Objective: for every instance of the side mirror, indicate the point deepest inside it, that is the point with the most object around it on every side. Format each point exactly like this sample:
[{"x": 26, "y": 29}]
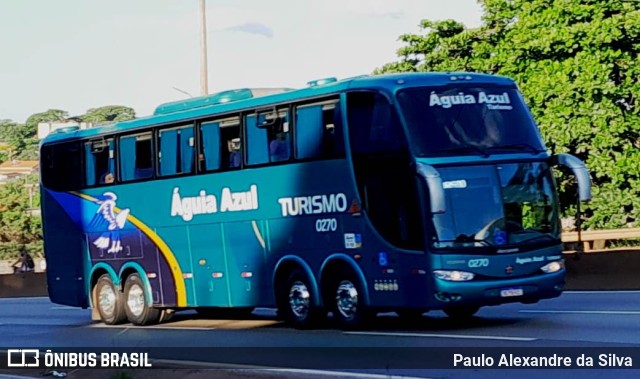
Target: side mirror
[
  {"x": 579, "y": 170},
  {"x": 434, "y": 184}
]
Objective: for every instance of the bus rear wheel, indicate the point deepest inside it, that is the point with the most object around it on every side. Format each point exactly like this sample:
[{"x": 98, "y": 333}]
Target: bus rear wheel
[
  {"x": 296, "y": 302},
  {"x": 349, "y": 310},
  {"x": 108, "y": 300},
  {"x": 461, "y": 312},
  {"x": 136, "y": 303}
]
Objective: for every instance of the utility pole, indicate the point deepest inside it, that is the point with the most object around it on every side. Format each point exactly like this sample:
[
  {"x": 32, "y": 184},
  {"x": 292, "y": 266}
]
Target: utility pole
[{"x": 204, "y": 80}]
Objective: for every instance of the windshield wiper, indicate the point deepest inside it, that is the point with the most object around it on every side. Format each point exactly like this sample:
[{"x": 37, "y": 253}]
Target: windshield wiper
[
  {"x": 517, "y": 146},
  {"x": 464, "y": 149}
]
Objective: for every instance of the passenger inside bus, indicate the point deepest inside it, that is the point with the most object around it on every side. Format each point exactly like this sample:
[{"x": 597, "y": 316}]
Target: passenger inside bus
[
  {"x": 235, "y": 155},
  {"x": 107, "y": 178},
  {"x": 279, "y": 148}
]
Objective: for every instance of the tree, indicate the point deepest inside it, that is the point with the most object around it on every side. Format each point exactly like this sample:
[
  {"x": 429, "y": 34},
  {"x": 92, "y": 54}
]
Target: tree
[
  {"x": 109, "y": 113},
  {"x": 18, "y": 225},
  {"x": 16, "y": 222},
  {"x": 26, "y": 140},
  {"x": 577, "y": 64},
  {"x": 15, "y": 137}
]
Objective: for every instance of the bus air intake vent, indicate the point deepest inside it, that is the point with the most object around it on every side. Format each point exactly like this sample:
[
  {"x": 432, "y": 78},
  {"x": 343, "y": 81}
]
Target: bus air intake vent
[{"x": 321, "y": 82}]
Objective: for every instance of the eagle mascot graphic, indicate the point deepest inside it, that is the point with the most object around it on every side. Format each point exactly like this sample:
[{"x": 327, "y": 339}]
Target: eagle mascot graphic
[{"x": 108, "y": 218}]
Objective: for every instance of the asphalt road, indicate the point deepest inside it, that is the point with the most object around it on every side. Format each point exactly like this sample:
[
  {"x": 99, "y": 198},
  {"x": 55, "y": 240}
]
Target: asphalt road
[{"x": 590, "y": 323}]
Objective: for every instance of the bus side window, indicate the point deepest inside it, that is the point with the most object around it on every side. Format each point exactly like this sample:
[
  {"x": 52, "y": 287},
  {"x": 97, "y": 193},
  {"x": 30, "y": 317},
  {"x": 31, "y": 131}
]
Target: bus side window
[
  {"x": 309, "y": 131},
  {"x": 279, "y": 137},
  {"x": 61, "y": 168},
  {"x": 257, "y": 142},
  {"x": 221, "y": 144},
  {"x": 176, "y": 151},
  {"x": 136, "y": 157},
  {"x": 232, "y": 145},
  {"x": 210, "y": 142},
  {"x": 99, "y": 162},
  {"x": 319, "y": 131},
  {"x": 268, "y": 137},
  {"x": 333, "y": 138}
]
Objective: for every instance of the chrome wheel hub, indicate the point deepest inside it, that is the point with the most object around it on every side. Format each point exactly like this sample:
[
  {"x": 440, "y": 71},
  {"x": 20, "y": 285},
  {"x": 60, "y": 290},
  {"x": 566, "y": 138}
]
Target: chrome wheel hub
[
  {"x": 299, "y": 299},
  {"x": 135, "y": 300},
  {"x": 347, "y": 299},
  {"x": 107, "y": 300}
]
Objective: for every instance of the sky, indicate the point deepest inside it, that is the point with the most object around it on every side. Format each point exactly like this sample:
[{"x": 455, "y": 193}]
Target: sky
[{"x": 76, "y": 55}]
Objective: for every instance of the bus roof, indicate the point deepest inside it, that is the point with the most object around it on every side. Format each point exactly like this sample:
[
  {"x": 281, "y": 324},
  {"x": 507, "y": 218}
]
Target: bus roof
[{"x": 225, "y": 102}]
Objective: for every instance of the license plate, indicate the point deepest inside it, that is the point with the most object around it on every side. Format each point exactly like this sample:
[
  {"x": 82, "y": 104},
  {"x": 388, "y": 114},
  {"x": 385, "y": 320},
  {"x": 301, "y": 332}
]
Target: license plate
[{"x": 511, "y": 292}]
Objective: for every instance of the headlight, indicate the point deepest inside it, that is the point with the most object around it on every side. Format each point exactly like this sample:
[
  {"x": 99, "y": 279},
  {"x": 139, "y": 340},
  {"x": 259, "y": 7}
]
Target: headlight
[
  {"x": 453, "y": 275},
  {"x": 552, "y": 267}
]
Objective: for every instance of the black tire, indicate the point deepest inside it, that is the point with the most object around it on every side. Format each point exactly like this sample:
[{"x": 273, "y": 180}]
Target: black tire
[
  {"x": 295, "y": 302},
  {"x": 166, "y": 315},
  {"x": 461, "y": 312},
  {"x": 108, "y": 299},
  {"x": 136, "y": 304},
  {"x": 348, "y": 307},
  {"x": 218, "y": 312}
]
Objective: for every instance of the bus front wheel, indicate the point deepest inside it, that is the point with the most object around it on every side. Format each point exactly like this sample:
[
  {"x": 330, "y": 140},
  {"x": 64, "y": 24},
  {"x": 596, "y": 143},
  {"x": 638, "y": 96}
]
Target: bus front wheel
[
  {"x": 136, "y": 303},
  {"x": 296, "y": 302},
  {"x": 108, "y": 300}
]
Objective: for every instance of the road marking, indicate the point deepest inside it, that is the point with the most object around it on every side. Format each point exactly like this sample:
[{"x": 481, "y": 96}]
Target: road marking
[
  {"x": 345, "y": 374},
  {"x": 270, "y": 370},
  {"x": 584, "y": 312},
  {"x": 462, "y": 336},
  {"x": 24, "y": 298},
  {"x": 602, "y": 292},
  {"x": 202, "y": 324},
  {"x": 126, "y": 327}
]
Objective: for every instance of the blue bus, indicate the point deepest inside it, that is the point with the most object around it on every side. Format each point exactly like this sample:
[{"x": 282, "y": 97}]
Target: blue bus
[{"x": 404, "y": 192}]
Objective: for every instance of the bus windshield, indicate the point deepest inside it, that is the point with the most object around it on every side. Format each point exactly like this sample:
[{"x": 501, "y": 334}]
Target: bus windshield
[
  {"x": 498, "y": 207},
  {"x": 468, "y": 120}
]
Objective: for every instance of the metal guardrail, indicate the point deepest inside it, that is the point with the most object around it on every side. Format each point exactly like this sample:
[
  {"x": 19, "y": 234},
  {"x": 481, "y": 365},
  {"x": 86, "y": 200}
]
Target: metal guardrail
[{"x": 596, "y": 239}]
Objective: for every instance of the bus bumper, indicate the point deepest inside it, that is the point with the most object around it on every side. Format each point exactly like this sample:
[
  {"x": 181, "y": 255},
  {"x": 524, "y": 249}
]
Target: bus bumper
[{"x": 493, "y": 292}]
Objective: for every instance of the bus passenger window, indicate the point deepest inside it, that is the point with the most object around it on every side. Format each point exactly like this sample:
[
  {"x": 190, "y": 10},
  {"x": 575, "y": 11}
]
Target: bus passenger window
[
  {"x": 221, "y": 145},
  {"x": 99, "y": 162},
  {"x": 61, "y": 166},
  {"x": 257, "y": 144},
  {"x": 332, "y": 140},
  {"x": 319, "y": 131},
  {"x": 176, "y": 151},
  {"x": 231, "y": 143},
  {"x": 235, "y": 153},
  {"x": 268, "y": 137},
  {"x": 210, "y": 145},
  {"x": 278, "y": 134},
  {"x": 136, "y": 157},
  {"x": 279, "y": 148}
]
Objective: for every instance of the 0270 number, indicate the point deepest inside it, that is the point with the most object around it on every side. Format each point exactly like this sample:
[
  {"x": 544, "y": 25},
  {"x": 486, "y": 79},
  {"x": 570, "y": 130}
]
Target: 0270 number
[{"x": 326, "y": 225}]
